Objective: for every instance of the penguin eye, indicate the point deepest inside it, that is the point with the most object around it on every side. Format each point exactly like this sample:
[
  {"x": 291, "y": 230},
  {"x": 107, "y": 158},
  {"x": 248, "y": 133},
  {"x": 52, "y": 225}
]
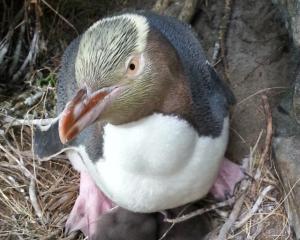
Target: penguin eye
[{"x": 134, "y": 66}]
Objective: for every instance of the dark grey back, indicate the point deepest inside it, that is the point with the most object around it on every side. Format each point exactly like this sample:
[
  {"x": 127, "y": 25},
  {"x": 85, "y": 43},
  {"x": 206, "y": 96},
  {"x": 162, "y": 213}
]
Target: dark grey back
[{"x": 210, "y": 95}]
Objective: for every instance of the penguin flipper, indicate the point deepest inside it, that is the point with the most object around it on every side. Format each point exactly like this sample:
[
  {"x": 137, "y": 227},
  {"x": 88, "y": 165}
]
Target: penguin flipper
[
  {"x": 46, "y": 140},
  {"x": 221, "y": 86}
]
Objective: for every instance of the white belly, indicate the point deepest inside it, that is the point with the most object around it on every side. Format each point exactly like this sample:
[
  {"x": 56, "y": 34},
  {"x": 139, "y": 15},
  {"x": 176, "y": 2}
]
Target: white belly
[{"x": 156, "y": 163}]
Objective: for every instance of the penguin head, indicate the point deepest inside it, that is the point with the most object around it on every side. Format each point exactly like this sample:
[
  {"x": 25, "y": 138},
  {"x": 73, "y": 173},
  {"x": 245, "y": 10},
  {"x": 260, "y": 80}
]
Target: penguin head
[{"x": 124, "y": 69}]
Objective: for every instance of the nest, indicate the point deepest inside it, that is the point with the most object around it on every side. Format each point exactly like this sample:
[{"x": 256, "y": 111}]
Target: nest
[{"x": 36, "y": 197}]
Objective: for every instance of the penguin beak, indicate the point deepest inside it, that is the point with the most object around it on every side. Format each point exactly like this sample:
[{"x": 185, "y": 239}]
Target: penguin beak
[{"x": 84, "y": 109}]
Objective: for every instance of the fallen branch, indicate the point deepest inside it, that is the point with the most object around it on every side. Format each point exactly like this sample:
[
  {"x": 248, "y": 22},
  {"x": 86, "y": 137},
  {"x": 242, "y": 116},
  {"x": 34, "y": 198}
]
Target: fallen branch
[
  {"x": 221, "y": 42},
  {"x": 188, "y": 10},
  {"x": 30, "y": 101},
  {"x": 269, "y": 134},
  {"x": 160, "y": 6},
  {"x": 255, "y": 207},
  {"x": 28, "y": 122},
  {"x": 232, "y": 217},
  {"x": 34, "y": 46},
  {"x": 201, "y": 211},
  {"x": 60, "y": 16},
  {"x": 182, "y": 10},
  {"x": 173, "y": 224},
  {"x": 23, "y": 169},
  {"x": 17, "y": 52},
  {"x": 5, "y": 43},
  {"x": 34, "y": 201}
]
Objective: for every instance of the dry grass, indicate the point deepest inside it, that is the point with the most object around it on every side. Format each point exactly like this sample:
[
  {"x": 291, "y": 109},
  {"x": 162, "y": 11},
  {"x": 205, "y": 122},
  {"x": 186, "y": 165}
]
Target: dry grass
[
  {"x": 262, "y": 214},
  {"x": 35, "y": 197}
]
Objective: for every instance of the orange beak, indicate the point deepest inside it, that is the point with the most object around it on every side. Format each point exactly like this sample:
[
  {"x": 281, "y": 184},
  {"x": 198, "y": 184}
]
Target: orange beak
[{"x": 83, "y": 110}]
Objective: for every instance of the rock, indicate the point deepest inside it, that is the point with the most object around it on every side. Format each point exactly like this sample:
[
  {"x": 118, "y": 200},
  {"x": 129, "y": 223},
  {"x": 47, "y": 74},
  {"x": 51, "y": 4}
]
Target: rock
[
  {"x": 287, "y": 118},
  {"x": 290, "y": 10},
  {"x": 284, "y": 117},
  {"x": 286, "y": 147},
  {"x": 296, "y": 99},
  {"x": 287, "y": 152},
  {"x": 290, "y": 13}
]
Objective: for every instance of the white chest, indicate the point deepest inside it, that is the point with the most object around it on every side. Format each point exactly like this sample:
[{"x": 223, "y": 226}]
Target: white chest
[{"x": 158, "y": 162}]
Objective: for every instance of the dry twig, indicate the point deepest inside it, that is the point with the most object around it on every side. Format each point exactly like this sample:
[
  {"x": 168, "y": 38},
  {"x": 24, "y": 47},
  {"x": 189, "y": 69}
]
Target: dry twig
[
  {"x": 255, "y": 207},
  {"x": 34, "y": 46},
  {"x": 232, "y": 217},
  {"x": 160, "y": 6},
  {"x": 188, "y": 10},
  {"x": 34, "y": 201},
  {"x": 173, "y": 224},
  {"x": 221, "y": 42},
  {"x": 201, "y": 211},
  {"x": 268, "y": 140}
]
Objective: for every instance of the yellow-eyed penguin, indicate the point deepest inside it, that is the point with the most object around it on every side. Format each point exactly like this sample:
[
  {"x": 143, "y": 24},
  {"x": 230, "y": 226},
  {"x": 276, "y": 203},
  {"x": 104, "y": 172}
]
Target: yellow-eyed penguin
[{"x": 143, "y": 116}]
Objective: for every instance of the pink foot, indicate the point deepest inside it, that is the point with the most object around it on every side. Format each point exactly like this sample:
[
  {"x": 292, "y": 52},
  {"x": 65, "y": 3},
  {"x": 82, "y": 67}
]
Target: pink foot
[
  {"x": 89, "y": 206},
  {"x": 229, "y": 175}
]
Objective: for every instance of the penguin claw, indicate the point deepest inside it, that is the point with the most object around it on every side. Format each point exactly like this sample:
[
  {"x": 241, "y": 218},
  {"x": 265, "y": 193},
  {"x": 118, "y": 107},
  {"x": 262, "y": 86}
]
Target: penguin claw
[
  {"x": 230, "y": 174},
  {"x": 89, "y": 206}
]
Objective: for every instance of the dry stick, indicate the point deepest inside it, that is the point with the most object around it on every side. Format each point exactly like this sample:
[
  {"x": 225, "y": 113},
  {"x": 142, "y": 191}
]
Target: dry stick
[
  {"x": 173, "y": 224},
  {"x": 255, "y": 207},
  {"x": 29, "y": 122},
  {"x": 221, "y": 42},
  {"x": 4, "y": 44},
  {"x": 268, "y": 140},
  {"x": 235, "y": 212},
  {"x": 12, "y": 181},
  {"x": 17, "y": 52},
  {"x": 160, "y": 6},
  {"x": 232, "y": 217},
  {"x": 34, "y": 201},
  {"x": 28, "y": 154},
  {"x": 16, "y": 149},
  {"x": 259, "y": 92},
  {"x": 24, "y": 170},
  {"x": 34, "y": 47},
  {"x": 30, "y": 101},
  {"x": 201, "y": 211},
  {"x": 188, "y": 10},
  {"x": 59, "y": 15}
]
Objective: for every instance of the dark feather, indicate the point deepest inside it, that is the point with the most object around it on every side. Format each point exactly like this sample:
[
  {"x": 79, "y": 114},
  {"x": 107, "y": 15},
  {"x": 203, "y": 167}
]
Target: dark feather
[{"x": 210, "y": 96}]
